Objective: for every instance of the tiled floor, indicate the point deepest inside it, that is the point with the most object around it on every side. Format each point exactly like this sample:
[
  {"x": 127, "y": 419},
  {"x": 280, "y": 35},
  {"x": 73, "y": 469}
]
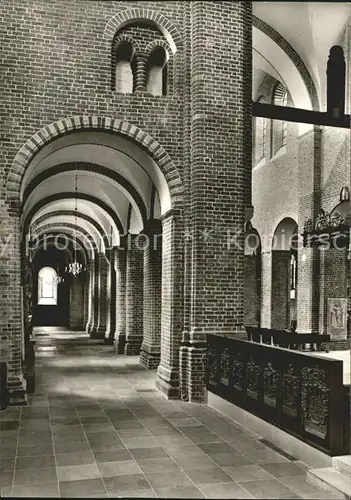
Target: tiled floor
[{"x": 96, "y": 427}]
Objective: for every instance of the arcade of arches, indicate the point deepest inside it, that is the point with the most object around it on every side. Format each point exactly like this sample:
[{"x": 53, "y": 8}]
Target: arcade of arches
[{"x": 148, "y": 184}]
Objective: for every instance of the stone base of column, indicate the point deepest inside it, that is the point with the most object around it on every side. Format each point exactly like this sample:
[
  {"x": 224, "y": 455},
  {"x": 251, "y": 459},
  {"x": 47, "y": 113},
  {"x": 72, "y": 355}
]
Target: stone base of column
[
  {"x": 149, "y": 356},
  {"x": 120, "y": 343},
  {"x": 18, "y": 392},
  {"x": 108, "y": 340},
  {"x": 132, "y": 347},
  {"x": 192, "y": 373},
  {"x": 168, "y": 383},
  {"x": 97, "y": 334}
]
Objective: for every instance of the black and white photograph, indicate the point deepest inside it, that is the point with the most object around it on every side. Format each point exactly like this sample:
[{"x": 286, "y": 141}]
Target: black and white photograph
[{"x": 175, "y": 253}]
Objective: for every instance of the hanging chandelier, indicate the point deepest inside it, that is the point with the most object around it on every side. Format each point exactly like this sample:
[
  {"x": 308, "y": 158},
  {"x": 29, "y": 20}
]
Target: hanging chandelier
[{"x": 74, "y": 268}]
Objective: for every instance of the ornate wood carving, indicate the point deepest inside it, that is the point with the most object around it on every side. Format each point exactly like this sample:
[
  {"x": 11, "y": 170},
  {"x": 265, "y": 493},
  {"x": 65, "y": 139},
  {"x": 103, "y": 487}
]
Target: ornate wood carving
[
  {"x": 315, "y": 399},
  {"x": 290, "y": 392},
  {"x": 238, "y": 374},
  {"x": 271, "y": 379},
  {"x": 253, "y": 378},
  {"x": 225, "y": 366}
]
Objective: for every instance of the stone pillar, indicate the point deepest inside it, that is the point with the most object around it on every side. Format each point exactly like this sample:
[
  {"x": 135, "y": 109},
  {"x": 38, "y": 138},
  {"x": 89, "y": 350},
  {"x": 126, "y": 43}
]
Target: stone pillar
[
  {"x": 151, "y": 346},
  {"x": 111, "y": 298},
  {"x": 120, "y": 264},
  {"x": 266, "y": 289},
  {"x": 95, "y": 298},
  {"x": 102, "y": 280},
  {"x": 10, "y": 300},
  {"x": 140, "y": 72},
  {"x": 280, "y": 289},
  {"x": 172, "y": 303},
  {"x": 221, "y": 168},
  {"x": 91, "y": 269},
  {"x": 134, "y": 296},
  {"x": 308, "y": 259},
  {"x": 76, "y": 304}
]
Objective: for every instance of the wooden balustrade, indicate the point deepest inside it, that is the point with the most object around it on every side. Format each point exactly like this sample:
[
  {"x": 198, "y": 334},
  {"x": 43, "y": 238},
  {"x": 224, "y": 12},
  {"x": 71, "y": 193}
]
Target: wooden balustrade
[
  {"x": 299, "y": 393},
  {"x": 284, "y": 338}
]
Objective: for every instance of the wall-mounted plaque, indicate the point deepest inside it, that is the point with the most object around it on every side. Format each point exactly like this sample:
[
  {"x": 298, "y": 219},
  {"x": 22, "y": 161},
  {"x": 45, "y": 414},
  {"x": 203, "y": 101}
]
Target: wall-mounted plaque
[{"x": 337, "y": 319}]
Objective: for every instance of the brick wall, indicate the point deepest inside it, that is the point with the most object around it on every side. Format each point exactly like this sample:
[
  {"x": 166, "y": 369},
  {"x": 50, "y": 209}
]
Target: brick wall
[
  {"x": 76, "y": 304},
  {"x": 134, "y": 295}
]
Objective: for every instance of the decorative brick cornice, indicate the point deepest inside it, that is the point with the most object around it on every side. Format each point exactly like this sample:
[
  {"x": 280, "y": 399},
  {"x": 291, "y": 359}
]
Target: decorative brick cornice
[
  {"x": 102, "y": 124},
  {"x": 293, "y": 56},
  {"x": 128, "y": 16}
]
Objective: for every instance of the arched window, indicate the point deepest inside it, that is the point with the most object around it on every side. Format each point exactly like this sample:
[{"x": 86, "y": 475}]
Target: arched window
[
  {"x": 260, "y": 136},
  {"x": 157, "y": 72},
  {"x": 124, "y": 78},
  {"x": 279, "y": 127},
  {"x": 47, "y": 287}
]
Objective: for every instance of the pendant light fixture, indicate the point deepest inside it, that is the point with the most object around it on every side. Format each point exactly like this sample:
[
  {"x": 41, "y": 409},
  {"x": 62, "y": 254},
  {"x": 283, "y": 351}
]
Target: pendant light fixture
[{"x": 75, "y": 267}]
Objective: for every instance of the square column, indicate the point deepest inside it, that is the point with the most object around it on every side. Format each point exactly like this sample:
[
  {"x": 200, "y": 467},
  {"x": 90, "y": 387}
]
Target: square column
[
  {"x": 102, "y": 280},
  {"x": 134, "y": 295},
  {"x": 11, "y": 318},
  {"x": 151, "y": 346},
  {"x": 111, "y": 298},
  {"x": 172, "y": 303},
  {"x": 220, "y": 175},
  {"x": 91, "y": 279},
  {"x": 121, "y": 273}
]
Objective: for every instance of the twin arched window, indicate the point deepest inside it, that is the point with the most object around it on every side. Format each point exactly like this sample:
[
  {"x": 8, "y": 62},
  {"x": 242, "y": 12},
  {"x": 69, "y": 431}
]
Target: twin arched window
[{"x": 133, "y": 70}]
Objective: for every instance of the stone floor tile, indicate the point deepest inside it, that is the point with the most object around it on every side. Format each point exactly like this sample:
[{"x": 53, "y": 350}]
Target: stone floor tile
[
  {"x": 143, "y": 453},
  {"x": 225, "y": 490},
  {"x": 230, "y": 459},
  {"x": 126, "y": 483},
  {"x": 32, "y": 476},
  {"x": 179, "y": 492},
  {"x": 157, "y": 464},
  {"x": 208, "y": 476},
  {"x": 6, "y": 464},
  {"x": 168, "y": 441},
  {"x": 69, "y": 447},
  {"x": 83, "y": 457},
  {"x": 82, "y": 488},
  {"x": 184, "y": 452},
  {"x": 196, "y": 462},
  {"x": 6, "y": 479},
  {"x": 265, "y": 457},
  {"x": 282, "y": 469},
  {"x": 247, "y": 472},
  {"x": 35, "y": 462},
  {"x": 146, "y": 493},
  {"x": 134, "y": 433},
  {"x": 302, "y": 487},
  {"x": 268, "y": 488},
  {"x": 77, "y": 472},
  {"x": 168, "y": 479},
  {"x": 141, "y": 442},
  {"x": 46, "y": 490},
  {"x": 118, "y": 468},
  {"x": 35, "y": 450},
  {"x": 112, "y": 455}
]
